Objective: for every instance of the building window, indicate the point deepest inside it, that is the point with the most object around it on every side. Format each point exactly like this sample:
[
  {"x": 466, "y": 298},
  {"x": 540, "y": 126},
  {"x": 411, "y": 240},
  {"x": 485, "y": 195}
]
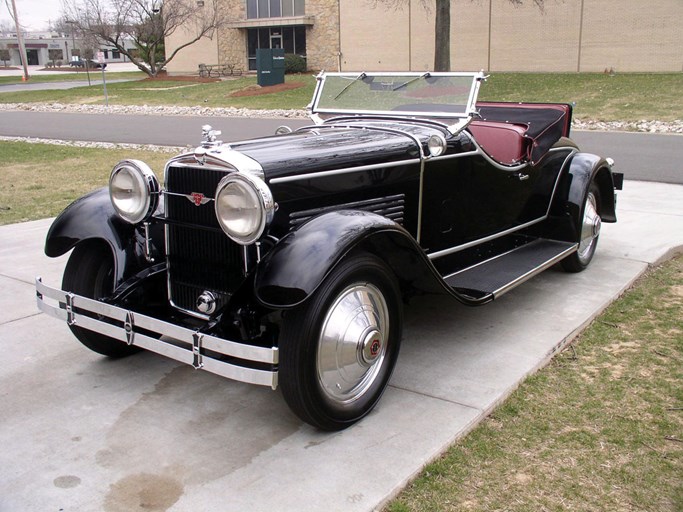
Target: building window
[
  {"x": 274, "y": 8},
  {"x": 292, "y": 39},
  {"x": 115, "y": 54}
]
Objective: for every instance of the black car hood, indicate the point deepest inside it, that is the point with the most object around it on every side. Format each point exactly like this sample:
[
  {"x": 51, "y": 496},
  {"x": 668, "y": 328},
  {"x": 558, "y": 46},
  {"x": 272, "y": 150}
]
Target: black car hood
[{"x": 329, "y": 147}]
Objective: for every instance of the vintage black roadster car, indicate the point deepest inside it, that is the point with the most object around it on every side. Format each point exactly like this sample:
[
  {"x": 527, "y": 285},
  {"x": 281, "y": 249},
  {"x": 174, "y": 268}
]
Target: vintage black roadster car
[{"x": 284, "y": 261}]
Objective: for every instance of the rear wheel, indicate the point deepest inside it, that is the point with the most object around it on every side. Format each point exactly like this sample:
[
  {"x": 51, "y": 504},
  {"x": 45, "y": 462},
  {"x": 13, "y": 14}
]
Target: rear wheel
[
  {"x": 338, "y": 349},
  {"x": 90, "y": 273},
  {"x": 590, "y": 232}
]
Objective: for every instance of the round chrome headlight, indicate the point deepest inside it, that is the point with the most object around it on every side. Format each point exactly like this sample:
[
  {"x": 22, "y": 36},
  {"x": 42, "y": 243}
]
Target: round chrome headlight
[
  {"x": 133, "y": 190},
  {"x": 244, "y": 207},
  {"x": 436, "y": 145}
]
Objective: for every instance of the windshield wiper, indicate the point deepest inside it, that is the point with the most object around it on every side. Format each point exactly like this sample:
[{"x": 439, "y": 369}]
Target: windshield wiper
[
  {"x": 404, "y": 84},
  {"x": 359, "y": 77}
]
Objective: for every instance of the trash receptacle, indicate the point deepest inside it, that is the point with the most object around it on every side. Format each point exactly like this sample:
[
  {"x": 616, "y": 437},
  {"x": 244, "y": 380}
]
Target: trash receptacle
[{"x": 270, "y": 66}]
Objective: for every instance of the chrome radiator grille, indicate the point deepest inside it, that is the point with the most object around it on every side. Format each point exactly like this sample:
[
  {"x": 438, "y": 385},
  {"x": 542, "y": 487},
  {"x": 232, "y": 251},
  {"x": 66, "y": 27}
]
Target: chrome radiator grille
[{"x": 200, "y": 256}]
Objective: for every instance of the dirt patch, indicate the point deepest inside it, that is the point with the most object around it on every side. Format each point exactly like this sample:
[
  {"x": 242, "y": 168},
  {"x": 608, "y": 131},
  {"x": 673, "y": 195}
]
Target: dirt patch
[
  {"x": 257, "y": 90},
  {"x": 181, "y": 78}
]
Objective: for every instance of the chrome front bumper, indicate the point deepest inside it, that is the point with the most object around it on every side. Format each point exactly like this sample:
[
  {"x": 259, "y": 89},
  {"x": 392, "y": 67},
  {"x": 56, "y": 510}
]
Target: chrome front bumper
[{"x": 179, "y": 343}]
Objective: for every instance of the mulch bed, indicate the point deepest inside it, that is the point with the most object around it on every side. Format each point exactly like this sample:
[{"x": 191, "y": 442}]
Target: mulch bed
[
  {"x": 162, "y": 75},
  {"x": 257, "y": 90}
]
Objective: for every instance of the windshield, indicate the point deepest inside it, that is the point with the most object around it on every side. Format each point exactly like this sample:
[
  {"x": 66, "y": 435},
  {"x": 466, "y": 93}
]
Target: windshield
[{"x": 438, "y": 94}]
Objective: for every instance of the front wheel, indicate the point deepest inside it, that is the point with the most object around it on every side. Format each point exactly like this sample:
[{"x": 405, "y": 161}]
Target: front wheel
[
  {"x": 338, "y": 349},
  {"x": 90, "y": 273},
  {"x": 590, "y": 232}
]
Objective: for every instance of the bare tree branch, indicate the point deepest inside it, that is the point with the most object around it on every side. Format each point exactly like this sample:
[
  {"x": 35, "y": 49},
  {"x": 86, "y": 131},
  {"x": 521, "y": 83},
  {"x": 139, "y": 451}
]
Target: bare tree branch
[{"x": 147, "y": 23}]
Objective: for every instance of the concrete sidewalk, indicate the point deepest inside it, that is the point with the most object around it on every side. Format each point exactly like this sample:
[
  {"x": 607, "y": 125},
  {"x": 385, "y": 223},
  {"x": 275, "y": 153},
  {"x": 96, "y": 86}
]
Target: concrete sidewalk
[{"x": 82, "y": 433}]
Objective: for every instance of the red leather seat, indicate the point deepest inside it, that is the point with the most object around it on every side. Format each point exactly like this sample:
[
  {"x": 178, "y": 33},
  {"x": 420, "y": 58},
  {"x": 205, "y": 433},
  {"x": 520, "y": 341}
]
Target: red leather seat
[{"x": 504, "y": 142}]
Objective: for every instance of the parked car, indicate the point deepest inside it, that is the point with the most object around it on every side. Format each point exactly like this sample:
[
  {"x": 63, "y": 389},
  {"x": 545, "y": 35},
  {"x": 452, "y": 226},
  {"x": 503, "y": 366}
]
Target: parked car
[
  {"x": 92, "y": 64},
  {"x": 284, "y": 261}
]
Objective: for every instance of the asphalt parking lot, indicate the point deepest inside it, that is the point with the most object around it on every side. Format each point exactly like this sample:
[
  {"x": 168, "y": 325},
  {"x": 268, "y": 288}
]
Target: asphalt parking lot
[{"x": 82, "y": 433}]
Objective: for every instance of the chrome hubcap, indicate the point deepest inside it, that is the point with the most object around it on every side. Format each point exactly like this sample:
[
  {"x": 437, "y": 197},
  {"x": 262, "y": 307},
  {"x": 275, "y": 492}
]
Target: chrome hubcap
[
  {"x": 590, "y": 229},
  {"x": 352, "y": 344},
  {"x": 371, "y": 348}
]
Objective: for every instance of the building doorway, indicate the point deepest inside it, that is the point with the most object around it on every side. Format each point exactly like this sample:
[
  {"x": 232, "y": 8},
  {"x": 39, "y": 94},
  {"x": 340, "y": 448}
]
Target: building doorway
[
  {"x": 292, "y": 39},
  {"x": 32, "y": 57}
]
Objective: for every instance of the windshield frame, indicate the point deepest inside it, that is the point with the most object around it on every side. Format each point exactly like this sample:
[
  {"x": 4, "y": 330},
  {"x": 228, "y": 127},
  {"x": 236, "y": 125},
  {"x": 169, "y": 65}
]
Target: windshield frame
[{"x": 470, "y": 107}]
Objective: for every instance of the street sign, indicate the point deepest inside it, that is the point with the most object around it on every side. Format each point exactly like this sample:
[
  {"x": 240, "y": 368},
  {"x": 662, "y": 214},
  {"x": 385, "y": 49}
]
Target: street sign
[{"x": 100, "y": 57}]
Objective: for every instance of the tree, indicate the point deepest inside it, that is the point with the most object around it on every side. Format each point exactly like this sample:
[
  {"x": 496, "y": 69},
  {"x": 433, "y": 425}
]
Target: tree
[
  {"x": 442, "y": 26},
  {"x": 55, "y": 56},
  {"x": 7, "y": 27},
  {"x": 146, "y": 23}
]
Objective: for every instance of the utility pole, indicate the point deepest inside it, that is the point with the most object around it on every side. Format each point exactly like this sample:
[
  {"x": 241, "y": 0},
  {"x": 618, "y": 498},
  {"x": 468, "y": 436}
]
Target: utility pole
[{"x": 20, "y": 40}]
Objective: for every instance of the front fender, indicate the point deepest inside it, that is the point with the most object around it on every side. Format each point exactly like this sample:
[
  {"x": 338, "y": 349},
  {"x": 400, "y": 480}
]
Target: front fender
[
  {"x": 88, "y": 218},
  {"x": 298, "y": 264},
  {"x": 295, "y": 267}
]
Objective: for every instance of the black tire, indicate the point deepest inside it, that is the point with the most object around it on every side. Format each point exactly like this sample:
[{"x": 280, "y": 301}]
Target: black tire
[
  {"x": 90, "y": 273},
  {"x": 589, "y": 225},
  {"x": 361, "y": 298}
]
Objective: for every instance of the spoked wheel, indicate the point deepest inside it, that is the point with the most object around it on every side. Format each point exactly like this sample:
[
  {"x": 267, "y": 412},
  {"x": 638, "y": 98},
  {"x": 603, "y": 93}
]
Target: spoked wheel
[
  {"x": 338, "y": 349},
  {"x": 90, "y": 273},
  {"x": 590, "y": 232}
]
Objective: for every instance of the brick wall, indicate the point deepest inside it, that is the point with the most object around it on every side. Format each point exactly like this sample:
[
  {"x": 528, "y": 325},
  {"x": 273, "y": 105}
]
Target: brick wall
[{"x": 494, "y": 35}]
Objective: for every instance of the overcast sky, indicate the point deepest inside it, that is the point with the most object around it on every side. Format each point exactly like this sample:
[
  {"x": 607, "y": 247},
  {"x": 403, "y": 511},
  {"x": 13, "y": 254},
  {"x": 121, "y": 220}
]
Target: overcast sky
[{"x": 34, "y": 15}]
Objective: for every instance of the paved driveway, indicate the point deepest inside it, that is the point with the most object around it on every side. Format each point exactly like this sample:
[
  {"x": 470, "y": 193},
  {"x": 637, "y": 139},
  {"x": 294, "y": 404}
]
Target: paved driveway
[{"x": 82, "y": 433}]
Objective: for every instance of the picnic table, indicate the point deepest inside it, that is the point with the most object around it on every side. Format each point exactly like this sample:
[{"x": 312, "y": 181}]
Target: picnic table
[{"x": 219, "y": 70}]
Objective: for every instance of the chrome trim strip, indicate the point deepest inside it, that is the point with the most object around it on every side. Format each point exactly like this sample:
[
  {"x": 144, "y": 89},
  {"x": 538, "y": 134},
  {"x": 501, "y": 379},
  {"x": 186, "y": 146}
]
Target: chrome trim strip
[
  {"x": 497, "y": 165},
  {"x": 221, "y": 158},
  {"x": 458, "y": 248},
  {"x": 166, "y": 347},
  {"x": 346, "y": 170},
  {"x": 454, "y": 155},
  {"x": 420, "y": 198}
]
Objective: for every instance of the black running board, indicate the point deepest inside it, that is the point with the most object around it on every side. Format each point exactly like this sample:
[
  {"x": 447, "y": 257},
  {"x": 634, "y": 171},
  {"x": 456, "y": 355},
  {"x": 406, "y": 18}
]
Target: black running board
[{"x": 492, "y": 278}]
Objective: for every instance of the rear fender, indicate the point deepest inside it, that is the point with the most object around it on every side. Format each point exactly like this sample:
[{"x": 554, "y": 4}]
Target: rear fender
[
  {"x": 295, "y": 267},
  {"x": 92, "y": 218},
  {"x": 582, "y": 170}
]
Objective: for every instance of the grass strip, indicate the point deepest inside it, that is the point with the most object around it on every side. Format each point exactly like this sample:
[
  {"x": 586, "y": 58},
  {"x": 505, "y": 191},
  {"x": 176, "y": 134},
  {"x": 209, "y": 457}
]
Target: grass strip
[
  {"x": 600, "y": 428},
  {"x": 596, "y": 96},
  {"x": 40, "y": 180},
  {"x": 73, "y": 75}
]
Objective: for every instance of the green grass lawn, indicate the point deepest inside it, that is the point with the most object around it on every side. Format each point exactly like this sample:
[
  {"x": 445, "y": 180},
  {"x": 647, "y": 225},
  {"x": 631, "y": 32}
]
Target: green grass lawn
[
  {"x": 599, "y": 429},
  {"x": 597, "y": 96},
  {"x": 74, "y": 74},
  {"x": 40, "y": 180}
]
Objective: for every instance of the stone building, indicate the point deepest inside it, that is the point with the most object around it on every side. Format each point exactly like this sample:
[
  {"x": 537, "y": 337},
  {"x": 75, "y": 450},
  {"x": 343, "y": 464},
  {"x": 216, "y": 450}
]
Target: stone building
[{"x": 494, "y": 35}]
